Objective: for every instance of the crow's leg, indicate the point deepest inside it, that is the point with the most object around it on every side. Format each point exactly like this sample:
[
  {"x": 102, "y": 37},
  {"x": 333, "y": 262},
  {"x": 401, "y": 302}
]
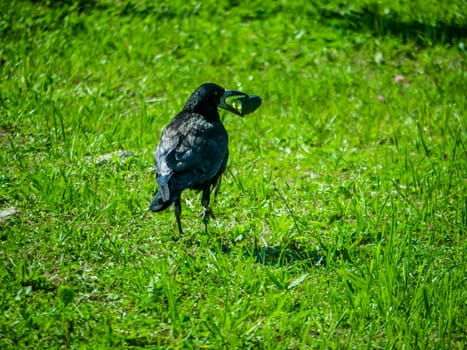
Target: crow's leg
[
  {"x": 205, "y": 203},
  {"x": 178, "y": 212}
]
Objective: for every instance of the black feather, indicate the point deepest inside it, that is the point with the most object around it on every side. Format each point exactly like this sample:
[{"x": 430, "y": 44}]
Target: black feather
[{"x": 193, "y": 151}]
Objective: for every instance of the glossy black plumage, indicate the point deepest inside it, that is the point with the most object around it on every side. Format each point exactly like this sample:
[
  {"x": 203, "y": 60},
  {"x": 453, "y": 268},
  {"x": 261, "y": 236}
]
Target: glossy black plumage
[{"x": 193, "y": 150}]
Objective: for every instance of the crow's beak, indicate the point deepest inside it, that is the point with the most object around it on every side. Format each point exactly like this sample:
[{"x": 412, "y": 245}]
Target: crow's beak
[{"x": 229, "y": 93}]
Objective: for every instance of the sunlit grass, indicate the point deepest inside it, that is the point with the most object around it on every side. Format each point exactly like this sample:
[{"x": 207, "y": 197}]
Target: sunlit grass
[{"x": 341, "y": 219}]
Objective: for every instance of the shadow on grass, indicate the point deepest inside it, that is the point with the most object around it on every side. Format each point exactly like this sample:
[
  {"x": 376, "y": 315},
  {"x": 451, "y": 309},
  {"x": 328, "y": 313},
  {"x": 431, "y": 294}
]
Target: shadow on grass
[
  {"x": 285, "y": 255},
  {"x": 369, "y": 18},
  {"x": 278, "y": 255}
]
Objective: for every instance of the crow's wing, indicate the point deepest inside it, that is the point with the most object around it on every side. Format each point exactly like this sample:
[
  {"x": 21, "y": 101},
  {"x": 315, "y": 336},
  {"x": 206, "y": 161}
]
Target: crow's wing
[{"x": 192, "y": 151}]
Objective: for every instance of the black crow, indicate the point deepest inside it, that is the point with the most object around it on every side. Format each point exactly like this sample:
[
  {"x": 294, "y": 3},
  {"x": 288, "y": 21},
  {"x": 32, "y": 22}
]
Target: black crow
[{"x": 193, "y": 150}]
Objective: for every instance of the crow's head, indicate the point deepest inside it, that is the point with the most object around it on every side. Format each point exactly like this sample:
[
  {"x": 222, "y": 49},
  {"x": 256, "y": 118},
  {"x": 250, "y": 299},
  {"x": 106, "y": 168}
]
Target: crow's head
[{"x": 208, "y": 97}]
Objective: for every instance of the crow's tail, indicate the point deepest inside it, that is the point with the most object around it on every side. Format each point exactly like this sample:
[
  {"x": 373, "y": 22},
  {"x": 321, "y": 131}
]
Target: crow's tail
[{"x": 158, "y": 204}]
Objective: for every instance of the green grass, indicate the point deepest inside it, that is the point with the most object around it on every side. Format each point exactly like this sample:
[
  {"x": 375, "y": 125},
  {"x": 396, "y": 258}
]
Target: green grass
[{"x": 341, "y": 221}]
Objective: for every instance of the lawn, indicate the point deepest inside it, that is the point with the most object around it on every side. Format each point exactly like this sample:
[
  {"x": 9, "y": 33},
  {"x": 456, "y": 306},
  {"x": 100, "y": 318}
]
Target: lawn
[{"x": 342, "y": 217}]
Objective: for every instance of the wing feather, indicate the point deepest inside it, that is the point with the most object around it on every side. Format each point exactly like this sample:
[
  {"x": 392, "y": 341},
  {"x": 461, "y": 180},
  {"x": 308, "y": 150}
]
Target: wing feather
[{"x": 192, "y": 151}]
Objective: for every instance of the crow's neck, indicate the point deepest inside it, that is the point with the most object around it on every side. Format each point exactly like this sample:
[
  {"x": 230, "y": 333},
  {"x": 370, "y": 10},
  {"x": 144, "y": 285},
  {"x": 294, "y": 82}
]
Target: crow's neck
[{"x": 206, "y": 110}]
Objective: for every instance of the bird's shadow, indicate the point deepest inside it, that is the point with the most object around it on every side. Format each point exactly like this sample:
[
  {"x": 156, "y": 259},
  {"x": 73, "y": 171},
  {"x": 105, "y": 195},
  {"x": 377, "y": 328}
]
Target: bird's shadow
[
  {"x": 283, "y": 255},
  {"x": 278, "y": 255}
]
